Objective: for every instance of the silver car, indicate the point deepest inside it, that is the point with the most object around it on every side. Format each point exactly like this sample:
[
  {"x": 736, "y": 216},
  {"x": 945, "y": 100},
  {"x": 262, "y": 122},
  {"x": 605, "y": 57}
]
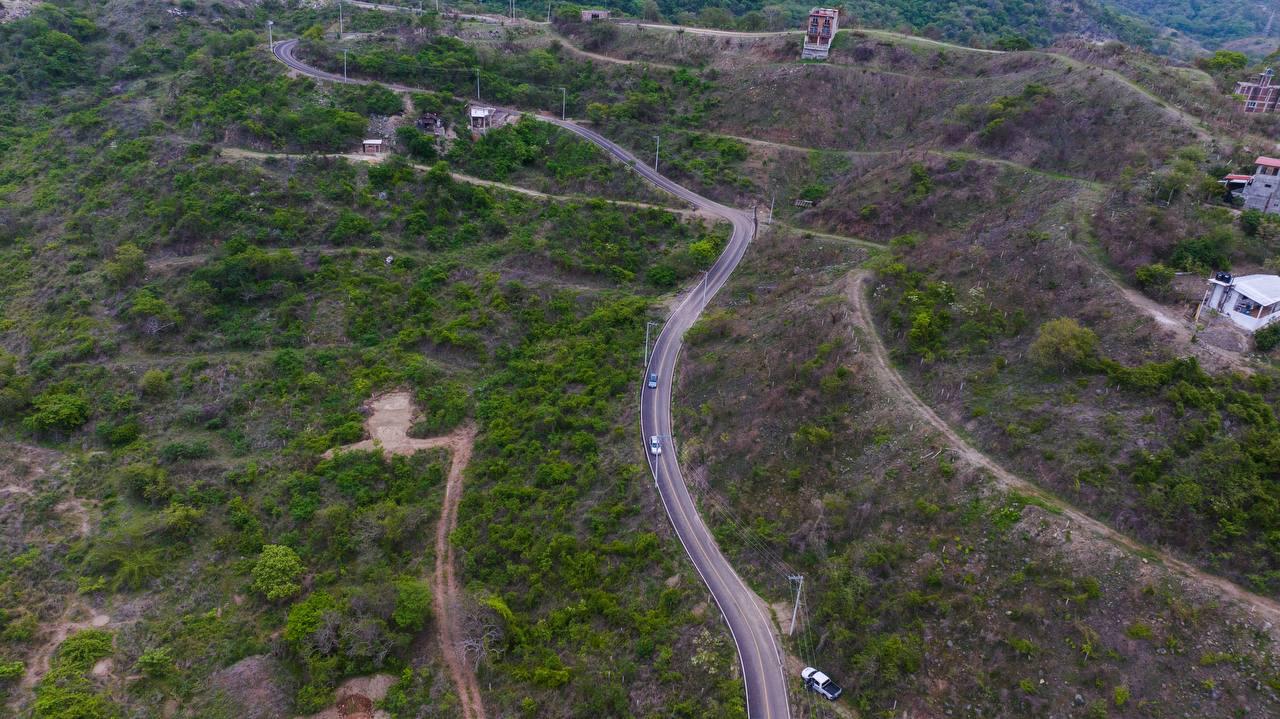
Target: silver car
[
  {"x": 821, "y": 683},
  {"x": 655, "y": 445}
]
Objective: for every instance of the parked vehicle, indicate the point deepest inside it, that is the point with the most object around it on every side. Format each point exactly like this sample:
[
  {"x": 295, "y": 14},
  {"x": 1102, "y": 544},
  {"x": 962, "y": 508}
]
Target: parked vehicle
[
  {"x": 653, "y": 381},
  {"x": 821, "y": 683},
  {"x": 655, "y": 445}
]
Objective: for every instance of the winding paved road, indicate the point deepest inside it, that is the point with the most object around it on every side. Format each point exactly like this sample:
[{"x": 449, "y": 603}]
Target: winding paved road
[{"x": 759, "y": 652}]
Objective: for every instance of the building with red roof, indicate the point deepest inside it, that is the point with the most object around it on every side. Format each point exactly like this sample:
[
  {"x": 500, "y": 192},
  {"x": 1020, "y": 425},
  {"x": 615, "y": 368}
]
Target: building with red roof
[{"x": 1261, "y": 190}]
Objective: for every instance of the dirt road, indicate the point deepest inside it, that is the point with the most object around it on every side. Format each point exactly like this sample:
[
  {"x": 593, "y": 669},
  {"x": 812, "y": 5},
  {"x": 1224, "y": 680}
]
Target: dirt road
[
  {"x": 1262, "y": 607},
  {"x": 388, "y": 427}
]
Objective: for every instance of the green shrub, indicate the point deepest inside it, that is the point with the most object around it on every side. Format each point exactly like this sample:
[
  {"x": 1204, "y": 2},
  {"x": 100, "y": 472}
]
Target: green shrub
[
  {"x": 154, "y": 383},
  {"x": 306, "y": 616},
  {"x": 419, "y": 144},
  {"x": 15, "y": 387},
  {"x": 57, "y": 411},
  {"x": 128, "y": 263},
  {"x": 1202, "y": 254},
  {"x": 1121, "y": 695},
  {"x": 118, "y": 433},
  {"x": 1267, "y": 338},
  {"x": 1251, "y": 221},
  {"x": 1155, "y": 279},
  {"x": 155, "y": 663},
  {"x": 1063, "y": 343},
  {"x": 276, "y": 573},
  {"x": 81, "y": 650},
  {"x": 146, "y": 482},
  {"x": 185, "y": 451},
  {"x": 413, "y": 604},
  {"x": 12, "y": 670}
]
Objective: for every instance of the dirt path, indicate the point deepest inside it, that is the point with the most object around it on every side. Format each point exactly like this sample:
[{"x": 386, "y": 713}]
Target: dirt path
[
  {"x": 243, "y": 154},
  {"x": 388, "y": 426},
  {"x": 65, "y": 626},
  {"x": 445, "y": 589},
  {"x": 1259, "y": 606}
]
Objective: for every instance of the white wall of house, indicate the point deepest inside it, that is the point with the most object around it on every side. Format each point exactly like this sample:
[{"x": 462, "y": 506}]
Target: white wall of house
[{"x": 1225, "y": 300}]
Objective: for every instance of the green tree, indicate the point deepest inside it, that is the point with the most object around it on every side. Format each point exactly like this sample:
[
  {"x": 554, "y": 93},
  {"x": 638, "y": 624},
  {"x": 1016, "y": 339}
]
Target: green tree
[
  {"x": 1224, "y": 62},
  {"x": 276, "y": 573},
  {"x": 1064, "y": 343}
]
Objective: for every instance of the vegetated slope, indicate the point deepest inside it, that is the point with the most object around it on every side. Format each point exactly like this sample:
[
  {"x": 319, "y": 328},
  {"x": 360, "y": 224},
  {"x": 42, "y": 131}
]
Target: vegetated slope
[
  {"x": 1211, "y": 24},
  {"x": 1202, "y": 94},
  {"x": 927, "y": 589},
  {"x": 195, "y": 333},
  {"x": 1141, "y": 439},
  {"x": 876, "y": 94},
  {"x": 977, "y": 22}
]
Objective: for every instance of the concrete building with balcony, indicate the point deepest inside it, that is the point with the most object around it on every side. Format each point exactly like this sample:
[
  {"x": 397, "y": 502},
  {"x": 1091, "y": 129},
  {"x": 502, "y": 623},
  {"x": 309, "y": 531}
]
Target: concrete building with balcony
[{"x": 822, "y": 28}]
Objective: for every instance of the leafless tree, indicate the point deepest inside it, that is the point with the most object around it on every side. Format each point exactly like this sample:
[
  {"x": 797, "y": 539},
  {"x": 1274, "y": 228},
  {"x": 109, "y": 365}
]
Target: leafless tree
[{"x": 482, "y": 635}]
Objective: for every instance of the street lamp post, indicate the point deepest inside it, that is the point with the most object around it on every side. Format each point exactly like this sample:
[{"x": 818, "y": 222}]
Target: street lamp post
[
  {"x": 340, "y": 22},
  {"x": 344, "y": 63},
  {"x": 564, "y": 99},
  {"x": 657, "y": 145},
  {"x": 477, "y": 84},
  {"x": 271, "y": 43}
]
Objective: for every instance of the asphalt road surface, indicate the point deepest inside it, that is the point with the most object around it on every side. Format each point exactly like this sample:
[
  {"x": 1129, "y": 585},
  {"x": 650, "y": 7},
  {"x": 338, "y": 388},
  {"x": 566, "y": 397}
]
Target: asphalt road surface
[{"x": 758, "y": 650}]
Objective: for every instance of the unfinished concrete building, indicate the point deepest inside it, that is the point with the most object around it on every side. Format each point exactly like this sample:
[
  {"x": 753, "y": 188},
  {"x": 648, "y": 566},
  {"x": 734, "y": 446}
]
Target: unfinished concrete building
[
  {"x": 823, "y": 24},
  {"x": 1261, "y": 95},
  {"x": 1261, "y": 191}
]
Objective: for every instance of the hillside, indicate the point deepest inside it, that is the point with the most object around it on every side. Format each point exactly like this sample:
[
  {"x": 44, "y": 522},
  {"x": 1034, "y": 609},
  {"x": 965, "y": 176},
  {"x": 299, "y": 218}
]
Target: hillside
[{"x": 287, "y": 426}]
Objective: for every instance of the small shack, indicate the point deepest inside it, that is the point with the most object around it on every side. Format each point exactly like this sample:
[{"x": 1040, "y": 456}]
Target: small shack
[
  {"x": 482, "y": 118},
  {"x": 1251, "y": 301},
  {"x": 373, "y": 146},
  {"x": 594, "y": 15}
]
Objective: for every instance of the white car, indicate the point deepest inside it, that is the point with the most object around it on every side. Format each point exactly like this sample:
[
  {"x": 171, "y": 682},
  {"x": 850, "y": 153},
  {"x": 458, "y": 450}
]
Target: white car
[
  {"x": 655, "y": 445},
  {"x": 821, "y": 683}
]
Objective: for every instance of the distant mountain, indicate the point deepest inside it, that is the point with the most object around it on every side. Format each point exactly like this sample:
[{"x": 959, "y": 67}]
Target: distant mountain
[{"x": 1210, "y": 24}]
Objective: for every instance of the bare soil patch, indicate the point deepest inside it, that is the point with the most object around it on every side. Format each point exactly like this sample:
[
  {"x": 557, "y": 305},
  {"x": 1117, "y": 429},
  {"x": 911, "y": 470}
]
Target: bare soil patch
[{"x": 356, "y": 697}]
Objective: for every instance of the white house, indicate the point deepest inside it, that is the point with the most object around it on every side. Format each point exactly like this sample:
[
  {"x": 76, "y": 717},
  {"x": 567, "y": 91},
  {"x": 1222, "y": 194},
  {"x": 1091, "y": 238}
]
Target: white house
[{"x": 1252, "y": 301}]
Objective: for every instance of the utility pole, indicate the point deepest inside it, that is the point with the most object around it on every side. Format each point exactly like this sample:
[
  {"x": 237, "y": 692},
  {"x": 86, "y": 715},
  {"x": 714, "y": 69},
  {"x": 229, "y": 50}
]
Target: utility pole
[
  {"x": 647, "y": 325},
  {"x": 657, "y": 145},
  {"x": 564, "y": 99},
  {"x": 340, "y": 23},
  {"x": 772, "y": 202},
  {"x": 548, "y": 12},
  {"x": 477, "y": 84},
  {"x": 271, "y": 43},
  {"x": 344, "y": 63},
  {"x": 798, "y": 580}
]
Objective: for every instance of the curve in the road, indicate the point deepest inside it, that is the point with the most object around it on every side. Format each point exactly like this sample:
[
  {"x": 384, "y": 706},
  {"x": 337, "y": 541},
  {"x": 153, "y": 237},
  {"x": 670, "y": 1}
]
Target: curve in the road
[{"x": 759, "y": 652}]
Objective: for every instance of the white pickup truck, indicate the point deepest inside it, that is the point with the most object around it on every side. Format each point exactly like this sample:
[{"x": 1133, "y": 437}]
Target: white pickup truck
[{"x": 821, "y": 683}]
